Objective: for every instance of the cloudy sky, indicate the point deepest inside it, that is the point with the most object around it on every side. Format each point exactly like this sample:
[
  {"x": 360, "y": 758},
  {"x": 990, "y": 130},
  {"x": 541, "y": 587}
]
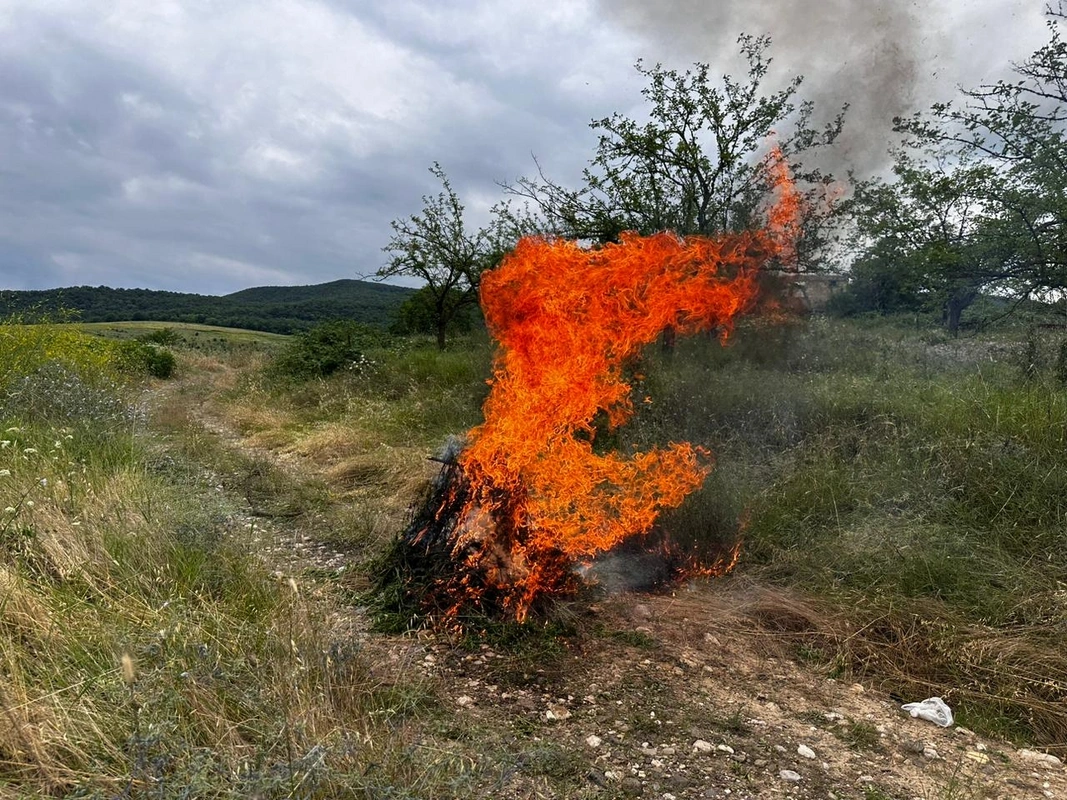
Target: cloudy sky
[{"x": 213, "y": 145}]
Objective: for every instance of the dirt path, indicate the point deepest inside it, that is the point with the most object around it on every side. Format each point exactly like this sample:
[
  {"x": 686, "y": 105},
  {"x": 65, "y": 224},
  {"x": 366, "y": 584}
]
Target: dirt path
[{"x": 692, "y": 695}]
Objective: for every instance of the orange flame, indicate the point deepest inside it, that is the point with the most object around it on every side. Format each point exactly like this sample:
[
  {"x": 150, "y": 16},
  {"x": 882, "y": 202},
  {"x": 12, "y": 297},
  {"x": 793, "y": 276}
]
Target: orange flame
[
  {"x": 784, "y": 216},
  {"x": 568, "y": 320}
]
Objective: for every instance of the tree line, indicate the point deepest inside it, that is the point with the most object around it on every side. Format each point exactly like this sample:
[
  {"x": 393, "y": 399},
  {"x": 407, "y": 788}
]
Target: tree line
[
  {"x": 975, "y": 202},
  {"x": 274, "y": 309}
]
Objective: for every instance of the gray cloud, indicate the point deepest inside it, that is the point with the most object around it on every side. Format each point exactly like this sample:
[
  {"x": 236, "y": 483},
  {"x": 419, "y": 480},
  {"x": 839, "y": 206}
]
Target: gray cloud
[{"x": 211, "y": 145}]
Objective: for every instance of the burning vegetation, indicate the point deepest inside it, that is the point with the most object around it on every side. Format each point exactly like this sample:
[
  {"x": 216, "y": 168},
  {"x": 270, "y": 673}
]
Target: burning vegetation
[{"x": 531, "y": 493}]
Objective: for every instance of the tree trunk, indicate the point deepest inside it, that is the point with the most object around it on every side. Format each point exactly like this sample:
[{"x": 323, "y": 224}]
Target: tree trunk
[
  {"x": 954, "y": 307},
  {"x": 441, "y": 326}
]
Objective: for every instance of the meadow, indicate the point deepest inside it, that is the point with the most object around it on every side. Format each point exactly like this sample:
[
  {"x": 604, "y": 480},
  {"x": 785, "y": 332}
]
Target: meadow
[{"x": 908, "y": 490}]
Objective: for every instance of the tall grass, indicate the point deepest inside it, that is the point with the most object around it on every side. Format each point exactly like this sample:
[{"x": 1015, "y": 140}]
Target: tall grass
[
  {"x": 919, "y": 482},
  {"x": 144, "y": 652},
  {"x": 911, "y": 486}
]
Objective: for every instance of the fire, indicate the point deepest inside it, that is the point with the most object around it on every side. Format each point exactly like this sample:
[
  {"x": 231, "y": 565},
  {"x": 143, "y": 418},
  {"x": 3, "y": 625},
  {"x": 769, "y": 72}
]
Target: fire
[
  {"x": 784, "y": 216},
  {"x": 533, "y": 495}
]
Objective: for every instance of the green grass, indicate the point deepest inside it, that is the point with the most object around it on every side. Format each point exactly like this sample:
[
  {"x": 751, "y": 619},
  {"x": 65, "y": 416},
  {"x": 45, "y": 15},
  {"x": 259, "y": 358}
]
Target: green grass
[
  {"x": 919, "y": 482},
  {"x": 144, "y": 651},
  {"x": 186, "y": 330}
]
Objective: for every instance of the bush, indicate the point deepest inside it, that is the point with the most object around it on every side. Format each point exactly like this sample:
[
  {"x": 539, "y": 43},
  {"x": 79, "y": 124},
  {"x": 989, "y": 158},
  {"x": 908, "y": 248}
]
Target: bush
[
  {"x": 326, "y": 349},
  {"x": 162, "y": 336},
  {"x": 142, "y": 358}
]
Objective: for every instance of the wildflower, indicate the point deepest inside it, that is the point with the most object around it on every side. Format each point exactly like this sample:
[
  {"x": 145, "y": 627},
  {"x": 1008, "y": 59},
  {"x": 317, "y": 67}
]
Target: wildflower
[
  {"x": 5, "y": 443},
  {"x": 4, "y": 473},
  {"x": 29, "y": 504},
  {"x": 43, "y": 481}
]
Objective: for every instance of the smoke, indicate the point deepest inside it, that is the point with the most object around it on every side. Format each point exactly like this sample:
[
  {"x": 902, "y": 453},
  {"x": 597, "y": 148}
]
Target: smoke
[{"x": 884, "y": 59}]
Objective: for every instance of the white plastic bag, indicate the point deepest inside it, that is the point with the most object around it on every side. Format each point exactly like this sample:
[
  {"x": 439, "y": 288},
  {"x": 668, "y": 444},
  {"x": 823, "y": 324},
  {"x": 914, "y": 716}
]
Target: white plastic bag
[{"x": 933, "y": 709}]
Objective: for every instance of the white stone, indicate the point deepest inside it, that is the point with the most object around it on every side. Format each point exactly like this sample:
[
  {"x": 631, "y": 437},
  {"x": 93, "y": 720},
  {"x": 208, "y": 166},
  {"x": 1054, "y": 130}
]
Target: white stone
[
  {"x": 789, "y": 775},
  {"x": 805, "y": 751},
  {"x": 700, "y": 746},
  {"x": 593, "y": 740},
  {"x": 725, "y": 748},
  {"x": 1045, "y": 759}
]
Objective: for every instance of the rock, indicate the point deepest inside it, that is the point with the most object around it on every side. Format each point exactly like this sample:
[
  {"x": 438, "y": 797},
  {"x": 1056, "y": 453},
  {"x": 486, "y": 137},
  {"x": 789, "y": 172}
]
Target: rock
[
  {"x": 780, "y": 750},
  {"x": 930, "y": 752},
  {"x": 593, "y": 740},
  {"x": 725, "y": 748},
  {"x": 464, "y": 701},
  {"x": 700, "y": 746},
  {"x": 865, "y": 779},
  {"x": 805, "y": 752},
  {"x": 1035, "y": 757},
  {"x": 631, "y": 786},
  {"x": 977, "y": 757},
  {"x": 789, "y": 775},
  {"x": 597, "y": 778},
  {"x": 912, "y": 746},
  {"x": 557, "y": 713},
  {"x": 667, "y": 751}
]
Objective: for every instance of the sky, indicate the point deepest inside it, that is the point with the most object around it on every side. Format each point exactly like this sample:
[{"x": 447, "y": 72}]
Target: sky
[{"x": 213, "y": 145}]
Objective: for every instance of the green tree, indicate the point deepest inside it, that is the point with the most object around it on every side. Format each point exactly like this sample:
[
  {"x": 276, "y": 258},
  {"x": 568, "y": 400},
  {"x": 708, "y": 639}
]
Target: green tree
[
  {"x": 697, "y": 166},
  {"x": 436, "y": 247},
  {"x": 920, "y": 235},
  {"x": 1017, "y": 128},
  {"x": 418, "y": 314}
]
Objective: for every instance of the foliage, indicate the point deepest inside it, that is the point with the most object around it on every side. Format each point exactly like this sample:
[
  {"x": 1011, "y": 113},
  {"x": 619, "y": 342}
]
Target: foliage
[
  {"x": 161, "y": 336},
  {"x": 146, "y": 358},
  {"x": 436, "y": 247},
  {"x": 325, "y": 349},
  {"x": 918, "y": 237},
  {"x": 26, "y": 348},
  {"x": 417, "y": 314},
  {"x": 995, "y": 164},
  {"x": 278, "y": 309},
  {"x": 698, "y": 165}
]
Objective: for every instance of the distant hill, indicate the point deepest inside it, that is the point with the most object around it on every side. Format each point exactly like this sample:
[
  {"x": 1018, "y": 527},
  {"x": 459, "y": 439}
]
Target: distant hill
[{"x": 278, "y": 309}]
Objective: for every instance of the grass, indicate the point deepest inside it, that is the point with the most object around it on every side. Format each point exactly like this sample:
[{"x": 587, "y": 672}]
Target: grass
[
  {"x": 190, "y": 334},
  {"x": 919, "y": 482},
  {"x": 910, "y": 489},
  {"x": 146, "y": 654}
]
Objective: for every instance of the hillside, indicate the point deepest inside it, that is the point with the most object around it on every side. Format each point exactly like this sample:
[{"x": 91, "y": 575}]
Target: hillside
[{"x": 278, "y": 309}]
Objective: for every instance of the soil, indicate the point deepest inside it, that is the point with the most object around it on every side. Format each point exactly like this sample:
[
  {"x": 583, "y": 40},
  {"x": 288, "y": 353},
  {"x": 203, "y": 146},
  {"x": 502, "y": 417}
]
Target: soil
[{"x": 699, "y": 693}]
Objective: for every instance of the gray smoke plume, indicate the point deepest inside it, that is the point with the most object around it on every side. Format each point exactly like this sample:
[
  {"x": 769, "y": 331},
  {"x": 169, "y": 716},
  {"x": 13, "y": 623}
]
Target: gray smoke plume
[{"x": 884, "y": 58}]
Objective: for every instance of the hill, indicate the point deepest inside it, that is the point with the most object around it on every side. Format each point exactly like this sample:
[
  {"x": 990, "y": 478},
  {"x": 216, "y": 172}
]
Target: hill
[{"x": 277, "y": 309}]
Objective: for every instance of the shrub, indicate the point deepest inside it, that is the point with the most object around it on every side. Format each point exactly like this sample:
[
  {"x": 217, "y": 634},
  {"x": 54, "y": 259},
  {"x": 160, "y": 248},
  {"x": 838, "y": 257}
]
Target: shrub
[
  {"x": 326, "y": 349},
  {"x": 143, "y": 358},
  {"x": 162, "y": 336}
]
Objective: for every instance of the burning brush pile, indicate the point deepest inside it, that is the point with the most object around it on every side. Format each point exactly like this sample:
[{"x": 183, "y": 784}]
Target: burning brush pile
[{"x": 528, "y": 497}]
